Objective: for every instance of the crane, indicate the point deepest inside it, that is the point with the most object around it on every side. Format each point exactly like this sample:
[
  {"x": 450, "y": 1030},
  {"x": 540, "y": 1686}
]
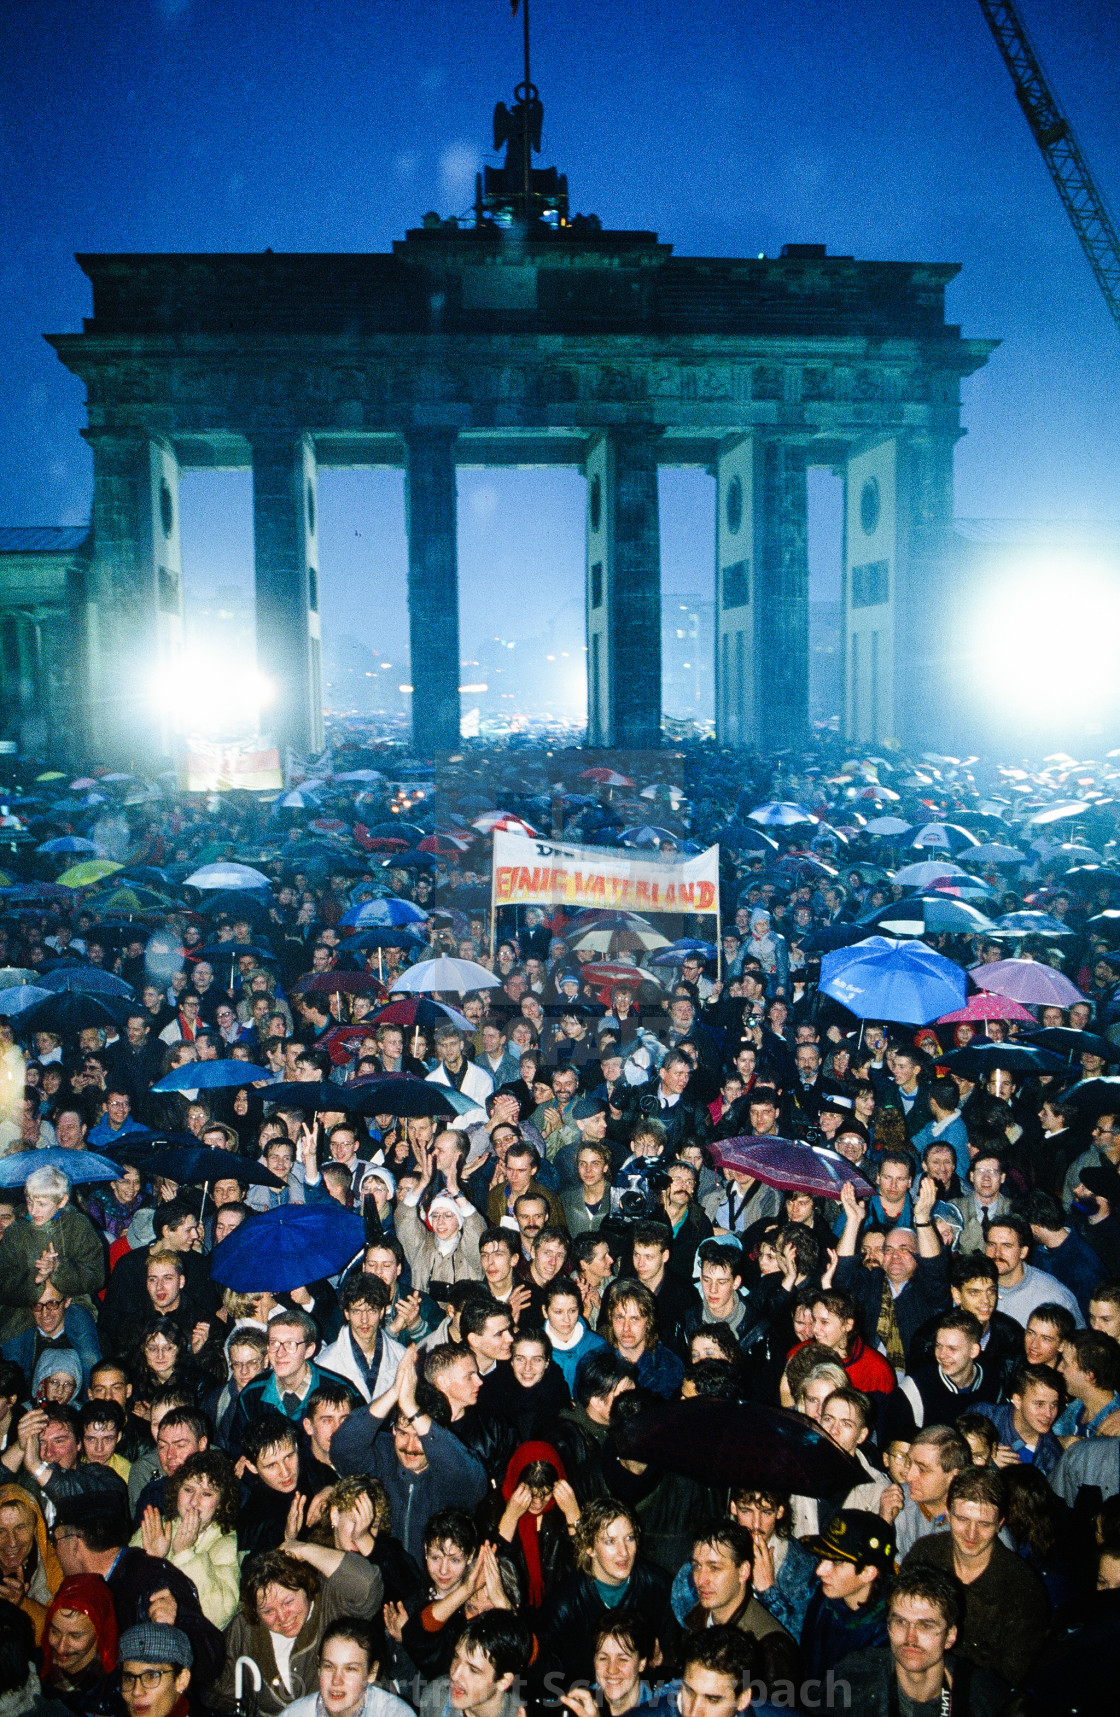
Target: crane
[{"x": 1061, "y": 151}]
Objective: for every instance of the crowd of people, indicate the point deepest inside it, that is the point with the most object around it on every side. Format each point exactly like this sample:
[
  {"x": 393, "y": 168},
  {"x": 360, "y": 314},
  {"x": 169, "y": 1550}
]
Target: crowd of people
[{"x": 409, "y": 1484}]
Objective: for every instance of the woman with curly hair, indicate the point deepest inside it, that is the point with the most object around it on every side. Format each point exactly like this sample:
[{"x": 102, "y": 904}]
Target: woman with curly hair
[
  {"x": 354, "y": 1515},
  {"x": 288, "y": 1599},
  {"x": 198, "y": 1531}
]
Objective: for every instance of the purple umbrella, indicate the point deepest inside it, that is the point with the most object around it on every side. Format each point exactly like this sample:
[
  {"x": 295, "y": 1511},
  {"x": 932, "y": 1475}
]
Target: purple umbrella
[
  {"x": 1027, "y": 981},
  {"x": 790, "y": 1166}
]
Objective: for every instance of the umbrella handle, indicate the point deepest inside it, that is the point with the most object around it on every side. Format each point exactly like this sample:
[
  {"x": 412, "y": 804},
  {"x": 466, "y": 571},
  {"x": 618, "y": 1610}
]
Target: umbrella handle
[{"x": 239, "y": 1683}]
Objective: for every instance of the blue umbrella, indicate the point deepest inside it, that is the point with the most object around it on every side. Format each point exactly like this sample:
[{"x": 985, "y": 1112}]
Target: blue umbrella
[
  {"x": 1034, "y": 923},
  {"x": 87, "y": 981},
  {"x": 20, "y": 996},
  {"x": 677, "y": 952},
  {"x": 212, "y": 1076},
  {"x": 929, "y": 915},
  {"x": 902, "y": 981},
  {"x": 384, "y": 936},
  {"x": 287, "y": 1248},
  {"x": 79, "y": 1167},
  {"x": 69, "y": 844},
  {"x": 386, "y": 911}
]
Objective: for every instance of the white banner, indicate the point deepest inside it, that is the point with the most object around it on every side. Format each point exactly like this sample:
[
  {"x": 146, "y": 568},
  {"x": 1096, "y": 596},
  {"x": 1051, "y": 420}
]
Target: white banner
[{"x": 548, "y": 873}]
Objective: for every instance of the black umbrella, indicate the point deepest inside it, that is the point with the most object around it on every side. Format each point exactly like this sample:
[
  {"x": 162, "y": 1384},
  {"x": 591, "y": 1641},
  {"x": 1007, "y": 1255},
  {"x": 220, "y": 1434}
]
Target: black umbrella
[
  {"x": 401, "y": 1094},
  {"x": 1062, "y": 1040},
  {"x": 68, "y": 1013},
  {"x": 196, "y": 1165},
  {"x": 742, "y": 1443},
  {"x": 1095, "y": 1096},
  {"x": 978, "y": 1059},
  {"x": 87, "y": 981}
]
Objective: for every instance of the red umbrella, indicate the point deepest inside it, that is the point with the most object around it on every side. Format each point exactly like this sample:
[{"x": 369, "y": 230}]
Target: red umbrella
[
  {"x": 606, "y": 777},
  {"x": 618, "y": 972},
  {"x": 984, "y": 1006},
  {"x": 422, "y": 1011},
  {"x": 443, "y": 845},
  {"x": 342, "y": 1042},
  {"x": 792, "y": 1167}
]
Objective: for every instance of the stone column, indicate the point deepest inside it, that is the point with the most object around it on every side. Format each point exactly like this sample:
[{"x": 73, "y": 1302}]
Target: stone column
[
  {"x": 433, "y": 588},
  {"x": 135, "y": 598},
  {"x": 931, "y": 613},
  {"x": 781, "y": 592},
  {"x": 285, "y": 554},
  {"x": 623, "y": 591},
  {"x": 734, "y": 640},
  {"x": 872, "y": 545}
]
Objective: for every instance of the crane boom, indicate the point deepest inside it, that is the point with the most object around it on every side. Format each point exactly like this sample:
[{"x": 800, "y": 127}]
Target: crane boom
[{"x": 1061, "y": 151}]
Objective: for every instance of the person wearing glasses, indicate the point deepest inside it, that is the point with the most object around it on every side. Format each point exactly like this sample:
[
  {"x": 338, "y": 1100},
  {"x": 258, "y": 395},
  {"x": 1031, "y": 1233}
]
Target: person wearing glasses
[
  {"x": 1104, "y": 1152},
  {"x": 156, "y": 1666}
]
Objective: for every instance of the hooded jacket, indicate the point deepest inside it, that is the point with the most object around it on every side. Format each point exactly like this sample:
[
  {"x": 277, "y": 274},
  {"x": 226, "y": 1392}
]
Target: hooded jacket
[{"x": 42, "y": 1569}]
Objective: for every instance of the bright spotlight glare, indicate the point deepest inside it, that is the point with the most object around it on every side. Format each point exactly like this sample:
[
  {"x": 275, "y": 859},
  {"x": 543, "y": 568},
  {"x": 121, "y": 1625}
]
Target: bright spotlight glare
[
  {"x": 212, "y": 695},
  {"x": 1045, "y": 644}
]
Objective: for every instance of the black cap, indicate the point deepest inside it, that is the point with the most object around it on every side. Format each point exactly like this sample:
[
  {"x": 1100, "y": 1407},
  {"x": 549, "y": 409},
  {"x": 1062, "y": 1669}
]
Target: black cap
[{"x": 857, "y": 1537}]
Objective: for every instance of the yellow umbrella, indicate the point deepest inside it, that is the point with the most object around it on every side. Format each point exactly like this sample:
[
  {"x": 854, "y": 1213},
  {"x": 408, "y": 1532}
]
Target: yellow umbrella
[
  {"x": 51, "y": 775},
  {"x": 89, "y": 871},
  {"x": 5, "y": 881}
]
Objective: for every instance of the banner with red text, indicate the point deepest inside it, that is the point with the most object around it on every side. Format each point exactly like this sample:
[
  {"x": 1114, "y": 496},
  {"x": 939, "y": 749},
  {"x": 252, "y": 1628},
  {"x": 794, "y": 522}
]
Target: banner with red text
[{"x": 549, "y": 873}]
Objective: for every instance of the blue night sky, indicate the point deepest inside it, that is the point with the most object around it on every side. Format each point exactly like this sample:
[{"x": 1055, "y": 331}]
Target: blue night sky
[{"x": 883, "y": 129}]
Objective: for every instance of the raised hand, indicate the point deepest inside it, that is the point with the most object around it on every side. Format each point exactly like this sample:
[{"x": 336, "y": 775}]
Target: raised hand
[
  {"x": 565, "y": 1499},
  {"x": 891, "y": 1503},
  {"x": 162, "y": 1608},
  {"x": 187, "y": 1528},
  {"x": 297, "y": 1513},
  {"x": 155, "y": 1532},
  {"x": 394, "y": 1617}
]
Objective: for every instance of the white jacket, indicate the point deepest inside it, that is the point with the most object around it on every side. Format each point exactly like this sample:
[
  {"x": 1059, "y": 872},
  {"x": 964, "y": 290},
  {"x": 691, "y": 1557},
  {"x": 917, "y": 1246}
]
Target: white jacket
[
  {"x": 378, "y": 1703},
  {"x": 341, "y": 1359},
  {"x": 476, "y": 1085}
]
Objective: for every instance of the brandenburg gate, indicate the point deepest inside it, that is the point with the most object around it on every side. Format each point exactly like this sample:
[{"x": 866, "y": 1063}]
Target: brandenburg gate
[{"x": 533, "y": 338}]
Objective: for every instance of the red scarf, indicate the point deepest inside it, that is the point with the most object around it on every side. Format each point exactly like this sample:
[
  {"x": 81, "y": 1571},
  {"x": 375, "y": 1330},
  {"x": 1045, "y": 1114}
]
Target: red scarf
[{"x": 527, "y": 1530}]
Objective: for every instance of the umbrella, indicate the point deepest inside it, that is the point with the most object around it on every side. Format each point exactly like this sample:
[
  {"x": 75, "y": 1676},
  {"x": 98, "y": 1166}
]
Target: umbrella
[
  {"x": 926, "y": 871},
  {"x": 67, "y": 1012},
  {"x": 1096, "y": 1096},
  {"x": 398, "y": 831},
  {"x": 445, "y": 974},
  {"x": 735, "y": 1443},
  {"x": 1088, "y": 876},
  {"x": 388, "y": 910},
  {"x": 618, "y": 972},
  {"x": 791, "y": 1166},
  {"x": 412, "y": 860},
  {"x": 213, "y": 1076},
  {"x": 504, "y": 822},
  {"x": 1034, "y": 924},
  {"x": 228, "y": 875},
  {"x": 87, "y": 981},
  {"x": 884, "y": 826},
  {"x": 421, "y": 1011},
  {"x": 287, "y": 1248},
  {"x": 739, "y": 836},
  {"x": 28, "y": 893},
  {"x": 89, "y": 871},
  {"x": 961, "y": 887},
  {"x": 985, "y": 1007},
  {"x": 918, "y": 916},
  {"x": 339, "y": 983},
  {"x": 903, "y": 981},
  {"x": 20, "y": 996},
  {"x": 384, "y": 936},
  {"x": 1061, "y": 813},
  {"x": 1027, "y": 981},
  {"x": 677, "y": 952},
  {"x": 648, "y": 835},
  {"x": 948, "y": 837},
  {"x": 314, "y": 1095},
  {"x": 12, "y": 975},
  {"x": 601, "y": 938},
  {"x": 69, "y": 844},
  {"x": 404, "y": 1094},
  {"x": 993, "y": 852},
  {"x": 296, "y": 800},
  {"x": 1063, "y": 1040},
  {"x": 442, "y": 845},
  {"x": 780, "y": 815},
  {"x": 80, "y": 1167},
  {"x": 979, "y": 1059},
  {"x": 195, "y": 1165},
  {"x": 365, "y": 775},
  {"x": 605, "y": 777}
]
